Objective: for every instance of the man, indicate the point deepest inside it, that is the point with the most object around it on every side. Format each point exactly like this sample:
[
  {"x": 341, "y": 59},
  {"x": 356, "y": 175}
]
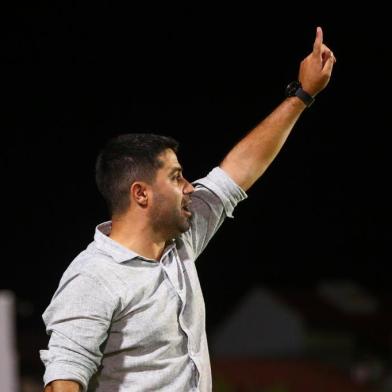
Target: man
[{"x": 129, "y": 314}]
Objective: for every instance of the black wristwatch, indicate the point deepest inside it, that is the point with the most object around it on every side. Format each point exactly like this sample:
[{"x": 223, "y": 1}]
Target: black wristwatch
[{"x": 294, "y": 89}]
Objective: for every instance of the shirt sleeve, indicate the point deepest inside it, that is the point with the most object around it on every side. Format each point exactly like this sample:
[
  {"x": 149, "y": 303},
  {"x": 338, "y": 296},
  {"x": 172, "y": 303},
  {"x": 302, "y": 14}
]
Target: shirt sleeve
[
  {"x": 214, "y": 199},
  {"x": 77, "y": 321}
]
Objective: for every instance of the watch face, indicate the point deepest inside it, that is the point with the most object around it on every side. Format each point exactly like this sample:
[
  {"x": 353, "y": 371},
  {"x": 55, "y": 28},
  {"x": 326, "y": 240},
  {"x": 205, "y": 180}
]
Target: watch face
[{"x": 292, "y": 88}]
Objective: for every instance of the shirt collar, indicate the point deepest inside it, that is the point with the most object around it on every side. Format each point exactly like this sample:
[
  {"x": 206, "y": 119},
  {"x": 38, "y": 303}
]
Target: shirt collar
[{"x": 118, "y": 252}]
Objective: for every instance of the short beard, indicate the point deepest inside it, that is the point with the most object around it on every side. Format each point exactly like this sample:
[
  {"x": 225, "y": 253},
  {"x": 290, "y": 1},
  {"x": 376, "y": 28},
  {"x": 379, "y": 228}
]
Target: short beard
[{"x": 169, "y": 224}]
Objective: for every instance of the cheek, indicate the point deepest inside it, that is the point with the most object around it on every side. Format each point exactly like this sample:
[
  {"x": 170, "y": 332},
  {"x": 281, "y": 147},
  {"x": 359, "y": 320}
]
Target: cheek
[
  {"x": 168, "y": 193},
  {"x": 168, "y": 197},
  {"x": 173, "y": 192}
]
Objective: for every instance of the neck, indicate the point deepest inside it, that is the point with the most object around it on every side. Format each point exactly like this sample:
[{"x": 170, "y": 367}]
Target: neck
[{"x": 138, "y": 236}]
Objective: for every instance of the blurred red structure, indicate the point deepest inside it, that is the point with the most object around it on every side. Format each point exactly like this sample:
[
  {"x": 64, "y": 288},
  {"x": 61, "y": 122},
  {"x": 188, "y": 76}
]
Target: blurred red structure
[{"x": 280, "y": 376}]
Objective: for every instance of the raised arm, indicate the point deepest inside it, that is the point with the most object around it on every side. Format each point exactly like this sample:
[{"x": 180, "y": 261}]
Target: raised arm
[{"x": 249, "y": 159}]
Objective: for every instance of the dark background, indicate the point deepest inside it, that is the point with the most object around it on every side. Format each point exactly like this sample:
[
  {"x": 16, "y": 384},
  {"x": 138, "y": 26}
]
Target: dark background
[{"x": 76, "y": 75}]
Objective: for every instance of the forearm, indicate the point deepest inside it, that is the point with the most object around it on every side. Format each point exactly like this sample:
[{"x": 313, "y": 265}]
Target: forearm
[
  {"x": 249, "y": 159},
  {"x": 63, "y": 386}
]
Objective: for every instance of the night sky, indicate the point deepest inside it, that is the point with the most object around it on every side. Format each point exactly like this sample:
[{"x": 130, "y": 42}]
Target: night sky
[{"x": 74, "y": 76}]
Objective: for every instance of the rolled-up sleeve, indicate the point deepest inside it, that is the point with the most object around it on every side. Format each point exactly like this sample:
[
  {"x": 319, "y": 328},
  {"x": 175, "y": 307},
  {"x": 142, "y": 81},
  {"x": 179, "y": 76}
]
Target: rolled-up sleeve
[
  {"x": 214, "y": 199},
  {"x": 77, "y": 320},
  {"x": 222, "y": 185}
]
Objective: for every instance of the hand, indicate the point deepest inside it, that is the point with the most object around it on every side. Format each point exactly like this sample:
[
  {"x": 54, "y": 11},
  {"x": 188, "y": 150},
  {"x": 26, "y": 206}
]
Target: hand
[{"x": 316, "y": 69}]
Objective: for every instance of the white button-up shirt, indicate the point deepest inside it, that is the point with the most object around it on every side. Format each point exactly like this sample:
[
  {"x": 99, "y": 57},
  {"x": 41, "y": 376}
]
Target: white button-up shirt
[{"x": 121, "y": 322}]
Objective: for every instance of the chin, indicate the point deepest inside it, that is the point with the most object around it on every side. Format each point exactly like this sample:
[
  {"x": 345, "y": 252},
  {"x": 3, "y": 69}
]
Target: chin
[
  {"x": 185, "y": 226},
  {"x": 180, "y": 229}
]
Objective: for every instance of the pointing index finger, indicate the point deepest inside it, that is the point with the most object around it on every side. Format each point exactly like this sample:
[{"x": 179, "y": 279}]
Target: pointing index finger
[{"x": 318, "y": 42}]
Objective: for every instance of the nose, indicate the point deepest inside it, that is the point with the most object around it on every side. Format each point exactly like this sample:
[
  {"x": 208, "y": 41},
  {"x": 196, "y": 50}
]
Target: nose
[{"x": 188, "y": 188}]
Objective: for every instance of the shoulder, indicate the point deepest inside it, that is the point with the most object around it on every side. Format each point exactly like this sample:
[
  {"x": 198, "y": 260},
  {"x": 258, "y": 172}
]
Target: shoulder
[{"x": 97, "y": 268}]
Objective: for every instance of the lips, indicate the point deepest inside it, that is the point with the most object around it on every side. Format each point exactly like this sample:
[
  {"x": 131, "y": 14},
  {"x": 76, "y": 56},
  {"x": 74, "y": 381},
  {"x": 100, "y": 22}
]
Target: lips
[{"x": 186, "y": 209}]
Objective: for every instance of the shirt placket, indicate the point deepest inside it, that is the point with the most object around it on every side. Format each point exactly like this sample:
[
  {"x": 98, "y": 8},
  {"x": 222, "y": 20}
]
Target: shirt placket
[{"x": 172, "y": 267}]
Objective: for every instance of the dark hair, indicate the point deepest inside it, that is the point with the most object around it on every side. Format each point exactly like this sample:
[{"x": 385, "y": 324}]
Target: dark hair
[{"x": 125, "y": 159}]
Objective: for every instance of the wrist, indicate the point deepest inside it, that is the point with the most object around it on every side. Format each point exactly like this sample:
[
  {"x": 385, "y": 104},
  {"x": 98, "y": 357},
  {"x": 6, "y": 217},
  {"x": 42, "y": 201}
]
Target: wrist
[{"x": 295, "y": 89}]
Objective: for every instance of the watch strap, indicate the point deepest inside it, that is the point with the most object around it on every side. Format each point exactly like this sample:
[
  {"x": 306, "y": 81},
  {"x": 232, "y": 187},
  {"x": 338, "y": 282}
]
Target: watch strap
[{"x": 304, "y": 96}]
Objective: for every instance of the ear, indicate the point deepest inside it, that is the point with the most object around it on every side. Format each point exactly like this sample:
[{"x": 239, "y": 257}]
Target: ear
[{"x": 139, "y": 193}]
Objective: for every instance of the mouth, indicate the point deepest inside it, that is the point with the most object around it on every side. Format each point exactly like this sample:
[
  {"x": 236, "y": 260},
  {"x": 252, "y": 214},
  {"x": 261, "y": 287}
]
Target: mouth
[{"x": 186, "y": 210}]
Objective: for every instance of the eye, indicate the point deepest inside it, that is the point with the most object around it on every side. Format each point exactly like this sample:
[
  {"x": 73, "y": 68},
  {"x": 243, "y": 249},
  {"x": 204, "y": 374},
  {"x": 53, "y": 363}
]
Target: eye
[{"x": 177, "y": 177}]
